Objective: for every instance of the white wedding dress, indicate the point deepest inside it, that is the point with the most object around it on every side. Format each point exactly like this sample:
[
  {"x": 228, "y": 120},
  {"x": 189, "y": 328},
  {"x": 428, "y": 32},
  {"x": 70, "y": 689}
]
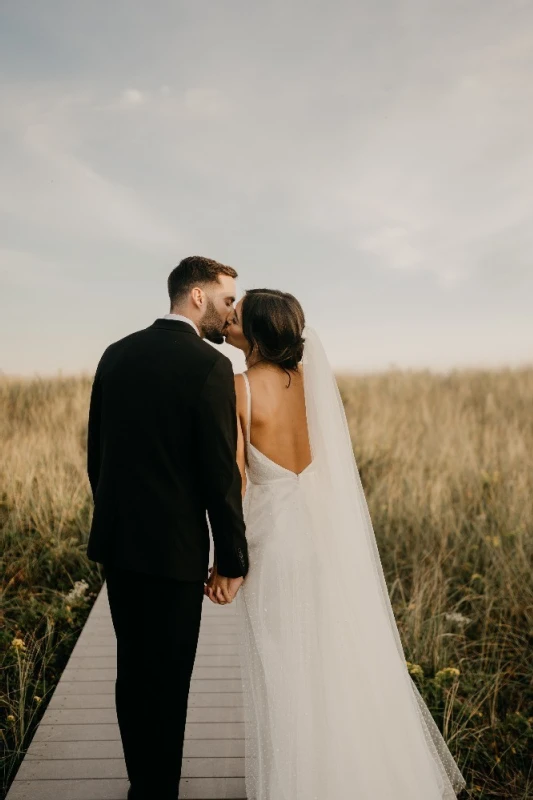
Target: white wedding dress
[{"x": 331, "y": 712}]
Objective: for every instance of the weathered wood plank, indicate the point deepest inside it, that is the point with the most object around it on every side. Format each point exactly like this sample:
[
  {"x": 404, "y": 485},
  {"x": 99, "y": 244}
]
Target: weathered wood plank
[
  {"x": 213, "y": 659},
  {"x": 82, "y": 675},
  {"x": 93, "y": 651},
  {"x": 77, "y": 768},
  {"x": 193, "y": 748},
  {"x": 76, "y": 733},
  {"x": 95, "y": 716},
  {"x": 86, "y": 687},
  {"x": 115, "y": 789},
  {"x": 109, "y": 732},
  {"x": 60, "y": 701},
  {"x": 81, "y": 701}
]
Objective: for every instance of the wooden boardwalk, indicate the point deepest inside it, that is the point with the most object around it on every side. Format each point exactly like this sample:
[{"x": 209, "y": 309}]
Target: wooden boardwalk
[{"x": 76, "y": 753}]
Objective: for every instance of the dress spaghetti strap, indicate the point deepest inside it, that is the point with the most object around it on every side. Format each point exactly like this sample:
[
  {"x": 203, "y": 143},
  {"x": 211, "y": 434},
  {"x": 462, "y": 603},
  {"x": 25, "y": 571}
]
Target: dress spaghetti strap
[{"x": 249, "y": 411}]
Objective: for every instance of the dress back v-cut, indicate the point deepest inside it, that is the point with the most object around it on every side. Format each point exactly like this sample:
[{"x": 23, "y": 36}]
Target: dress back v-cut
[{"x": 261, "y": 468}]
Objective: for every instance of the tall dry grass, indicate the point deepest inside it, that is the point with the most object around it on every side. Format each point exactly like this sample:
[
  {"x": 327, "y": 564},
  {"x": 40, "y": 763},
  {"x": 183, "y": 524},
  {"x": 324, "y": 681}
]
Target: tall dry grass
[
  {"x": 44, "y": 517},
  {"x": 446, "y": 462},
  {"x": 447, "y": 465}
]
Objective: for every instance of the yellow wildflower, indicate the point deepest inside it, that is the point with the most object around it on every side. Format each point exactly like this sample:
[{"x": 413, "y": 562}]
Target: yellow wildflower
[
  {"x": 18, "y": 644},
  {"x": 447, "y": 672},
  {"x": 10, "y": 718},
  {"x": 415, "y": 669},
  {"x": 37, "y": 699}
]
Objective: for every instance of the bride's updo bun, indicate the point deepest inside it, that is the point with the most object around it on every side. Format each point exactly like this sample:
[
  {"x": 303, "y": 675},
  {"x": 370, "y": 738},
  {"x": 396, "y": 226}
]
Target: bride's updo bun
[{"x": 273, "y": 324}]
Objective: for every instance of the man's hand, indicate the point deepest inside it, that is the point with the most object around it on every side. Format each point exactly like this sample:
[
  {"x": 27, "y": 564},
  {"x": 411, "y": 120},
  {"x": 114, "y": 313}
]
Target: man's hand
[{"x": 221, "y": 590}]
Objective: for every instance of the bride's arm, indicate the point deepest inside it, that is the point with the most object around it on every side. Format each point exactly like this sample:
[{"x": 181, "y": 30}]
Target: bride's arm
[{"x": 240, "y": 392}]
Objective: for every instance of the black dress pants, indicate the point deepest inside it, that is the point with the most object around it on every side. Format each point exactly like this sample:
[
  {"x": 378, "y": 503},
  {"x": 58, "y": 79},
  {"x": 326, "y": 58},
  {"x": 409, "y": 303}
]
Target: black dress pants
[{"x": 157, "y": 623}]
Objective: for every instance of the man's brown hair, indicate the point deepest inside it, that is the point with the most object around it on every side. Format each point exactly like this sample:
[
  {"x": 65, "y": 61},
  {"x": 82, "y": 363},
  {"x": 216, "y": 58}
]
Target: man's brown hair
[{"x": 195, "y": 271}]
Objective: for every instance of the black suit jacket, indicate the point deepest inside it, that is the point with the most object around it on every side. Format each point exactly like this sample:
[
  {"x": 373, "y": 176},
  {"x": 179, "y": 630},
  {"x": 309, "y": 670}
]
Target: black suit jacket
[{"x": 162, "y": 444}]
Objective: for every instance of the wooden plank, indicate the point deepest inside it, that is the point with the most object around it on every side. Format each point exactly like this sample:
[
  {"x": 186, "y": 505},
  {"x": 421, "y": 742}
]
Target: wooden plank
[
  {"x": 86, "y": 687},
  {"x": 81, "y": 716},
  {"x": 77, "y": 768},
  {"x": 213, "y": 659},
  {"x": 82, "y": 675},
  {"x": 76, "y": 733},
  {"x": 94, "y": 716},
  {"x": 93, "y": 651},
  {"x": 109, "y": 732},
  {"x": 116, "y": 789},
  {"x": 108, "y": 687},
  {"x": 216, "y": 686},
  {"x": 193, "y": 748},
  {"x": 81, "y": 701},
  {"x": 59, "y": 701}
]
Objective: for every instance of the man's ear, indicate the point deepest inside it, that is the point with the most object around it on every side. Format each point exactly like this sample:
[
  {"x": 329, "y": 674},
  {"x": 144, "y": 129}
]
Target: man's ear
[{"x": 198, "y": 296}]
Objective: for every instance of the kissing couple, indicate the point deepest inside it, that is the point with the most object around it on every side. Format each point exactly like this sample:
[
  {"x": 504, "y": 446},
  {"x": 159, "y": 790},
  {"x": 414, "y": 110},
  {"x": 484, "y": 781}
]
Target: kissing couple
[{"x": 331, "y": 711}]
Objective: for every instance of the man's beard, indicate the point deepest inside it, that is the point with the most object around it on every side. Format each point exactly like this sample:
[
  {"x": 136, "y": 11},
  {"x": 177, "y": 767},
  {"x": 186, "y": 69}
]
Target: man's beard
[{"x": 211, "y": 325}]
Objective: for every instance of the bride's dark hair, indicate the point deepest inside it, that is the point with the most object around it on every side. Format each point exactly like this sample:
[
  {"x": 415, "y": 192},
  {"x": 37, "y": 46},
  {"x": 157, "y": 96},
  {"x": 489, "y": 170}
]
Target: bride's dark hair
[{"x": 273, "y": 323}]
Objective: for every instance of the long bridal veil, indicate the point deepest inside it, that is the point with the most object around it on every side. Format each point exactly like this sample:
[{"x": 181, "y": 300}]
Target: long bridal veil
[{"x": 377, "y": 728}]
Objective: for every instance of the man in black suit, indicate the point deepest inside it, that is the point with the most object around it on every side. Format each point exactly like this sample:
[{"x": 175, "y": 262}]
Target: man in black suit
[{"x": 162, "y": 447}]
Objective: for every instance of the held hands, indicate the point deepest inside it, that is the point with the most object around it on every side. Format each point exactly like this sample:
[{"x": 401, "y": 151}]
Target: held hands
[{"x": 220, "y": 590}]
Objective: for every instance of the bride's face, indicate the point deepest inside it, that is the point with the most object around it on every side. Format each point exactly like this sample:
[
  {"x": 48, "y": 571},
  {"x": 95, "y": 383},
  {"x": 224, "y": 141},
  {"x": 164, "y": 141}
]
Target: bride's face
[{"x": 233, "y": 333}]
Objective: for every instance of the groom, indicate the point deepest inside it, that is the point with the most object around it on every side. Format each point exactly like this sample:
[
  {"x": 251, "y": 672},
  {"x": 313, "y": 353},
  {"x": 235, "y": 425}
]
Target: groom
[{"x": 162, "y": 447}]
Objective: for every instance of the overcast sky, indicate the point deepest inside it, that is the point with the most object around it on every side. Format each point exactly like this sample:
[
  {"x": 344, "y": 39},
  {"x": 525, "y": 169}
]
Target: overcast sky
[{"x": 373, "y": 158}]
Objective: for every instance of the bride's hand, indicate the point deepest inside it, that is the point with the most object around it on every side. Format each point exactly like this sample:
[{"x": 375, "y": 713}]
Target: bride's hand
[{"x": 224, "y": 590}]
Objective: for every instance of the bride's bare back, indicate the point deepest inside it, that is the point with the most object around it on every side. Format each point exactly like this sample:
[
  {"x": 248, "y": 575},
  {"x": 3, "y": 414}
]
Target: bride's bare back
[{"x": 279, "y": 423}]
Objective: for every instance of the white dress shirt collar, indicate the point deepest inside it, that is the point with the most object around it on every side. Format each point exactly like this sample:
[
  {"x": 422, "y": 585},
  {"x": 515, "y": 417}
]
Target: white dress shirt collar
[{"x": 181, "y": 318}]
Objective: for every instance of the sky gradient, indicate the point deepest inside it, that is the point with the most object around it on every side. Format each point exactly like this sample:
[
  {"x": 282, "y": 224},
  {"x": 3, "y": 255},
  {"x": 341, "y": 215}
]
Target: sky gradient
[{"x": 375, "y": 159}]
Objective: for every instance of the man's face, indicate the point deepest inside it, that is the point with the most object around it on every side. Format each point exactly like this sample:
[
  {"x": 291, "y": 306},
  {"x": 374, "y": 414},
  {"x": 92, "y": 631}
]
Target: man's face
[{"x": 220, "y": 307}]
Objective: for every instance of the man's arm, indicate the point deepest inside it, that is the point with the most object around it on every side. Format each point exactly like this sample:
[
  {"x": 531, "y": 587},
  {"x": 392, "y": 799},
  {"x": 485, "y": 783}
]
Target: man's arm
[
  {"x": 93, "y": 433},
  {"x": 216, "y": 418}
]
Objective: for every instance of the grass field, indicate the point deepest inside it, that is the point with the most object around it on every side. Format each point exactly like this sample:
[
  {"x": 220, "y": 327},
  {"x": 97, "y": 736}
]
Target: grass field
[{"x": 447, "y": 465}]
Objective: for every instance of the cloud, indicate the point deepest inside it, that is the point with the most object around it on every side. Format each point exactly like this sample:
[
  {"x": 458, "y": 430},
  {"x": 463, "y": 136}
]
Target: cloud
[
  {"x": 51, "y": 186},
  {"x": 204, "y": 103},
  {"x": 132, "y": 98},
  {"x": 27, "y": 270},
  {"x": 393, "y": 244},
  {"x": 415, "y": 155},
  {"x": 191, "y": 103}
]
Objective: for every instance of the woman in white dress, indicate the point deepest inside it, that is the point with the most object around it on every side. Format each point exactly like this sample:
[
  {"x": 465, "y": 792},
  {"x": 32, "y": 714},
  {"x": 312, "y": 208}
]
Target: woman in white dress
[{"x": 331, "y": 711}]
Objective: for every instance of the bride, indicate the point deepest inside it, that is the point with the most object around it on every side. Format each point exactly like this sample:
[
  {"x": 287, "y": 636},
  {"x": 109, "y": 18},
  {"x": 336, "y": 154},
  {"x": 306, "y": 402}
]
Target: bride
[{"x": 331, "y": 711}]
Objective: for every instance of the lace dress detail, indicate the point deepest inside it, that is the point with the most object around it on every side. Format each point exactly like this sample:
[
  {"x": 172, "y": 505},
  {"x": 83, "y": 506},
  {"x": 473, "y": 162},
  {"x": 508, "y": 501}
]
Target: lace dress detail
[{"x": 307, "y": 737}]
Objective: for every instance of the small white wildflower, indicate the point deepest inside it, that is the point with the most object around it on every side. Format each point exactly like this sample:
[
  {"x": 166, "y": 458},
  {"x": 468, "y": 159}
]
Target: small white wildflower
[
  {"x": 77, "y": 591},
  {"x": 458, "y": 618}
]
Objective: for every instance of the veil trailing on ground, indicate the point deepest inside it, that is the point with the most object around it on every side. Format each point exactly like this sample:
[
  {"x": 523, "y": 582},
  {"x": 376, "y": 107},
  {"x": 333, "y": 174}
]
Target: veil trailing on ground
[{"x": 372, "y": 707}]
